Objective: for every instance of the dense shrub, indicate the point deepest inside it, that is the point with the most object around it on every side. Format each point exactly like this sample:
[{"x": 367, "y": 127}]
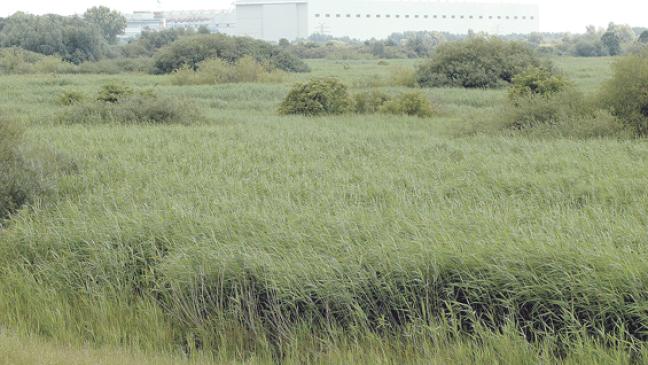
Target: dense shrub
[
  {"x": 476, "y": 63},
  {"x": 217, "y": 71},
  {"x": 317, "y": 97},
  {"x": 537, "y": 82},
  {"x": 370, "y": 101},
  {"x": 114, "y": 92},
  {"x": 412, "y": 103},
  {"x": 119, "y": 104},
  {"x": 190, "y": 51},
  {"x": 626, "y": 94}
]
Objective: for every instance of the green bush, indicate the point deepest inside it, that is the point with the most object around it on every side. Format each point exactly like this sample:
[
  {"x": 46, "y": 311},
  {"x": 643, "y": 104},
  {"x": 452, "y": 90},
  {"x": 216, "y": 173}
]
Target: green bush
[
  {"x": 546, "y": 103},
  {"x": 626, "y": 94},
  {"x": 317, "y": 97},
  {"x": 533, "y": 111},
  {"x": 128, "y": 108},
  {"x": 192, "y": 50},
  {"x": 70, "y": 97},
  {"x": 20, "y": 61},
  {"x": 403, "y": 76},
  {"x": 476, "y": 63},
  {"x": 566, "y": 113},
  {"x": 370, "y": 101},
  {"x": 537, "y": 81},
  {"x": 114, "y": 92},
  {"x": 17, "y": 60},
  {"x": 598, "y": 124},
  {"x": 543, "y": 104},
  {"x": 412, "y": 103}
]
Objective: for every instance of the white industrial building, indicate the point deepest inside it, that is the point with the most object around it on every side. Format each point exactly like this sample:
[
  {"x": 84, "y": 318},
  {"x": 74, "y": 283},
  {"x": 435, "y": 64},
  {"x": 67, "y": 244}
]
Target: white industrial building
[
  {"x": 140, "y": 21},
  {"x": 216, "y": 21},
  {"x": 273, "y": 20}
]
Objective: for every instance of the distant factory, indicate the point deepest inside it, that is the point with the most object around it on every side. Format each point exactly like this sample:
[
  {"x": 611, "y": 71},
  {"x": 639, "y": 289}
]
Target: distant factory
[
  {"x": 217, "y": 21},
  {"x": 272, "y": 20}
]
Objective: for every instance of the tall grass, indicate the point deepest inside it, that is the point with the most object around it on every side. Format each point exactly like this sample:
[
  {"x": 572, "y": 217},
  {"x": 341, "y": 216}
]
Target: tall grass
[
  {"x": 217, "y": 71},
  {"x": 428, "y": 346},
  {"x": 343, "y": 239}
]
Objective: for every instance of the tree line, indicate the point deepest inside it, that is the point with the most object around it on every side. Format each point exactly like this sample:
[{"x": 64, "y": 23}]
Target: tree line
[{"x": 75, "y": 38}]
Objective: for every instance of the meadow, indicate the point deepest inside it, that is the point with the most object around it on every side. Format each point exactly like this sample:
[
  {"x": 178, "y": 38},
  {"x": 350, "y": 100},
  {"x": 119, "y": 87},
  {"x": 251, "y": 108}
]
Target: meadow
[{"x": 251, "y": 237}]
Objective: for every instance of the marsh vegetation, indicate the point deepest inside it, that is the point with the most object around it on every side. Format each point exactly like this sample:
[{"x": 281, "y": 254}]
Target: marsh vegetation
[{"x": 332, "y": 216}]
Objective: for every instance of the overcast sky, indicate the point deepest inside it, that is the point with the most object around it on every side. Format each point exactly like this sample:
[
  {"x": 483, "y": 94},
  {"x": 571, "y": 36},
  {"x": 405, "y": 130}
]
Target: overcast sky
[{"x": 555, "y": 15}]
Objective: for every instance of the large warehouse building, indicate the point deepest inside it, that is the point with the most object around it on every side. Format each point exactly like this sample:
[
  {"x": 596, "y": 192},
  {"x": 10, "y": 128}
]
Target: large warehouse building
[{"x": 272, "y": 20}]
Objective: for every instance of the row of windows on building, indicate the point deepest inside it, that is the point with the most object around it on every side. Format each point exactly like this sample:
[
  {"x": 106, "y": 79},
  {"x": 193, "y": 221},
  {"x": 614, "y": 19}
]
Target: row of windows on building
[{"x": 490, "y": 17}]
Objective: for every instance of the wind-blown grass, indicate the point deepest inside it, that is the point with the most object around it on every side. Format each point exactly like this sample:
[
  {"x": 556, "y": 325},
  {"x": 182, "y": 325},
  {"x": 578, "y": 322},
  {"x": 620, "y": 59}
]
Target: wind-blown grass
[{"x": 264, "y": 238}]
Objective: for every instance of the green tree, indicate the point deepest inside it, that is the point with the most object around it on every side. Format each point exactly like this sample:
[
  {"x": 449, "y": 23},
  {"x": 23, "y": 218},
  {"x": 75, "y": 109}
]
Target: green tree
[
  {"x": 72, "y": 38},
  {"x": 612, "y": 42},
  {"x": 643, "y": 38},
  {"x": 624, "y": 32},
  {"x": 190, "y": 51},
  {"x": 110, "y": 22},
  {"x": 150, "y": 41}
]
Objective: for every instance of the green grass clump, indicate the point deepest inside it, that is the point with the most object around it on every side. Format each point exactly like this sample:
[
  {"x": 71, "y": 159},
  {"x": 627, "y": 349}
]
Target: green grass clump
[
  {"x": 70, "y": 97},
  {"x": 403, "y": 76},
  {"x": 117, "y": 103},
  {"x": 370, "y": 101},
  {"x": 114, "y": 92},
  {"x": 26, "y": 172},
  {"x": 217, "y": 71},
  {"x": 16, "y": 185},
  {"x": 411, "y": 103}
]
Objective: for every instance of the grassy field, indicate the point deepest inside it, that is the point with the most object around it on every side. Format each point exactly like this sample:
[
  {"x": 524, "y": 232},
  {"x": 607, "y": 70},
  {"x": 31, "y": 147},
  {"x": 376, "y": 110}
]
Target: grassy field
[{"x": 257, "y": 238}]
